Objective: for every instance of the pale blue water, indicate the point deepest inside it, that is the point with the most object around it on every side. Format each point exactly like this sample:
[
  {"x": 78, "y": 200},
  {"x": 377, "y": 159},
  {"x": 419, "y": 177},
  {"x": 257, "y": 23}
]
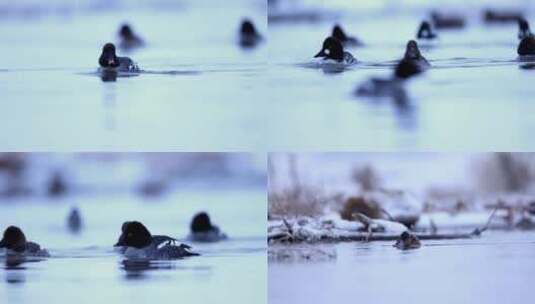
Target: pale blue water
[
  {"x": 85, "y": 269},
  {"x": 475, "y": 98},
  {"x": 51, "y": 102},
  {"x": 496, "y": 268}
]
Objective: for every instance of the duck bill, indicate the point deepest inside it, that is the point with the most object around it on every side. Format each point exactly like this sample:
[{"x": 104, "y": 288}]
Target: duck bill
[
  {"x": 120, "y": 242},
  {"x": 2, "y": 243},
  {"x": 321, "y": 54}
]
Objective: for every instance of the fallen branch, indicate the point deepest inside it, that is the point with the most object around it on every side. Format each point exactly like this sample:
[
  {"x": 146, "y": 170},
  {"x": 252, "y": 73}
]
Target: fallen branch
[
  {"x": 479, "y": 231},
  {"x": 363, "y": 237}
]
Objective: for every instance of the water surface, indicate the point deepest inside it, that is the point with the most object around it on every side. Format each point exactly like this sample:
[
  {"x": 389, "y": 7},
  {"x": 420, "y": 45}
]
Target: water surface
[{"x": 496, "y": 268}]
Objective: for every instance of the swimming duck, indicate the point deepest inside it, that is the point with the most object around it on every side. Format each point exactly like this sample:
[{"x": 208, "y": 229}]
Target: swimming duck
[
  {"x": 346, "y": 40},
  {"x": 412, "y": 53},
  {"x": 443, "y": 21},
  {"x": 15, "y": 243},
  {"x": 74, "y": 220},
  {"x": 523, "y": 29},
  {"x": 526, "y": 47},
  {"x": 332, "y": 49},
  {"x": 202, "y": 229},
  {"x": 392, "y": 87},
  {"x": 110, "y": 61},
  {"x": 249, "y": 37},
  {"x": 425, "y": 31},
  {"x": 57, "y": 185},
  {"x": 129, "y": 39},
  {"x": 407, "y": 68},
  {"x": 407, "y": 241},
  {"x": 141, "y": 244},
  {"x": 495, "y": 16}
]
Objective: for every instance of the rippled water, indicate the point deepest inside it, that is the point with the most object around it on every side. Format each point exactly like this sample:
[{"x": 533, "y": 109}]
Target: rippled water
[
  {"x": 496, "y": 268},
  {"x": 475, "y": 97},
  {"x": 84, "y": 268}
]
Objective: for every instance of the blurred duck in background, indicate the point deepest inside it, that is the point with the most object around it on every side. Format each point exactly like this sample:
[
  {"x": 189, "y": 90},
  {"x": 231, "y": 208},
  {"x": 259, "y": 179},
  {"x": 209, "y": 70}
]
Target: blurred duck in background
[
  {"x": 426, "y": 32},
  {"x": 347, "y": 41},
  {"x": 56, "y": 185},
  {"x": 248, "y": 35},
  {"x": 202, "y": 229},
  {"x": 74, "y": 220},
  {"x": 447, "y": 21},
  {"x": 501, "y": 16},
  {"x": 128, "y": 39}
]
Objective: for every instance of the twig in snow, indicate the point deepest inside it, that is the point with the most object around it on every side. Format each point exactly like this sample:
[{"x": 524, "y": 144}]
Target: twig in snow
[
  {"x": 478, "y": 231},
  {"x": 434, "y": 228}
]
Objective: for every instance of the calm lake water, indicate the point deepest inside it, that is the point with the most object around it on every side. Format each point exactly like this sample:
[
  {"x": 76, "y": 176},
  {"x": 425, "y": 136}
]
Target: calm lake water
[
  {"x": 496, "y": 268},
  {"x": 235, "y": 270},
  {"x": 199, "y": 91},
  {"x": 476, "y": 97}
]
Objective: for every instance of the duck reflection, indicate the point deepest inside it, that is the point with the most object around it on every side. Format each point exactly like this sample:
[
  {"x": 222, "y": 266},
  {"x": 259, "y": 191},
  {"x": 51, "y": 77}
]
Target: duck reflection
[
  {"x": 15, "y": 269},
  {"x": 108, "y": 76},
  {"x": 137, "y": 269}
]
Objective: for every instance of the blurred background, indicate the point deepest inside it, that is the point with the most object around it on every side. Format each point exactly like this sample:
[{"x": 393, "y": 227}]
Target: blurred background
[{"x": 314, "y": 184}]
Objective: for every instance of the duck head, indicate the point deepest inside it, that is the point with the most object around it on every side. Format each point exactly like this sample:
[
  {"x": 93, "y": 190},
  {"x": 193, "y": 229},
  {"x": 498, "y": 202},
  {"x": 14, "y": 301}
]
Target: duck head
[
  {"x": 108, "y": 58},
  {"x": 134, "y": 234},
  {"x": 126, "y": 31},
  {"x": 201, "y": 223},
  {"x": 407, "y": 241},
  {"x": 425, "y": 31},
  {"x": 523, "y": 28},
  {"x": 412, "y": 51},
  {"x": 247, "y": 28},
  {"x": 332, "y": 49},
  {"x": 13, "y": 239},
  {"x": 339, "y": 33}
]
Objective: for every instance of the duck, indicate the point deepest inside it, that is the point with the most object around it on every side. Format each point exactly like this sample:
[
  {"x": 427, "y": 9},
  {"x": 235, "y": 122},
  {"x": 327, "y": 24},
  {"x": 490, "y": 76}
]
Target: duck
[
  {"x": 407, "y": 241},
  {"x": 56, "y": 185},
  {"x": 425, "y": 31},
  {"x": 526, "y": 47},
  {"x": 346, "y": 40},
  {"x": 16, "y": 244},
  {"x": 139, "y": 243},
  {"x": 495, "y": 16},
  {"x": 129, "y": 39},
  {"x": 202, "y": 229},
  {"x": 74, "y": 220},
  {"x": 523, "y": 29},
  {"x": 109, "y": 61},
  {"x": 443, "y": 21},
  {"x": 393, "y": 87},
  {"x": 333, "y": 50},
  {"x": 248, "y": 35},
  {"x": 412, "y": 53}
]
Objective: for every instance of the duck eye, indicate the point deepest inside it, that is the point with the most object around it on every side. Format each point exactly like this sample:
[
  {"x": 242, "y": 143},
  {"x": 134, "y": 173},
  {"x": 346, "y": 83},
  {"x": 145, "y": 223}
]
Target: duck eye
[{"x": 328, "y": 51}]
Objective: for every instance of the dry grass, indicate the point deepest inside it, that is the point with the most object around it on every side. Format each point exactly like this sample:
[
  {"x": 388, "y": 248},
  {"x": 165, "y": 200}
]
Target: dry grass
[{"x": 506, "y": 172}]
